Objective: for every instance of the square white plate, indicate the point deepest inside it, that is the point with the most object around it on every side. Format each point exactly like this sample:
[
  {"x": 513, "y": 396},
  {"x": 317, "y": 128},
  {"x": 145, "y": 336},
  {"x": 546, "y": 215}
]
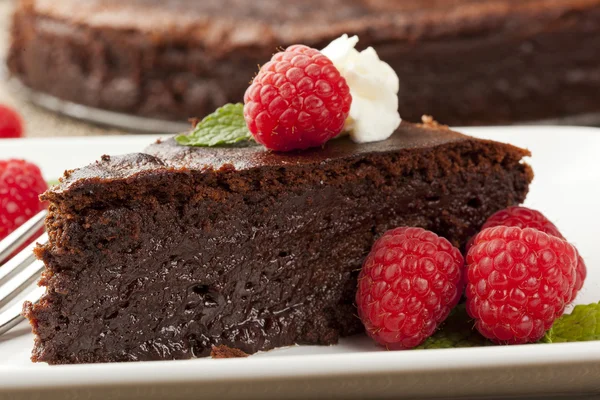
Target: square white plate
[{"x": 566, "y": 162}]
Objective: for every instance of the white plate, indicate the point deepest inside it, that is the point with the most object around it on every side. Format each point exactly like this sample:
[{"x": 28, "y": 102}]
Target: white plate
[{"x": 566, "y": 162}]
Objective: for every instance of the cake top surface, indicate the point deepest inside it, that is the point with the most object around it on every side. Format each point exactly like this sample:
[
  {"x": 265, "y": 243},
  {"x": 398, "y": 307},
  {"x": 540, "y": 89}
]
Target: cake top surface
[
  {"x": 216, "y": 23},
  {"x": 408, "y": 136},
  {"x": 167, "y": 154}
]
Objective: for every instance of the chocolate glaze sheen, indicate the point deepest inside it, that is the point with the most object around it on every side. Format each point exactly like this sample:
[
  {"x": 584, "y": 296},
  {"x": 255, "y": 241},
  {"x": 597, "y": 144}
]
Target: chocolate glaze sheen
[{"x": 167, "y": 253}]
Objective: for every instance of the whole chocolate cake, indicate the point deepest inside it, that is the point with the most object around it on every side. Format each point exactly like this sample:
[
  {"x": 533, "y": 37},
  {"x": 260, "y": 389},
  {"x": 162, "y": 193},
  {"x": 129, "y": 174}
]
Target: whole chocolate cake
[
  {"x": 465, "y": 61},
  {"x": 165, "y": 254}
]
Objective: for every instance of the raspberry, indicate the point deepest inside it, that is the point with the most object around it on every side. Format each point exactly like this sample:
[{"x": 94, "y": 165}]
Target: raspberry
[
  {"x": 518, "y": 282},
  {"x": 581, "y": 273},
  {"x": 20, "y": 185},
  {"x": 408, "y": 284},
  {"x": 10, "y": 123},
  {"x": 298, "y": 100},
  {"x": 523, "y": 217}
]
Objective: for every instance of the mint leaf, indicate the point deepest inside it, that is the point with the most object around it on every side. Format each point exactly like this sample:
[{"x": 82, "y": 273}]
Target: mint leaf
[
  {"x": 456, "y": 331},
  {"x": 583, "y": 324},
  {"x": 225, "y": 126}
]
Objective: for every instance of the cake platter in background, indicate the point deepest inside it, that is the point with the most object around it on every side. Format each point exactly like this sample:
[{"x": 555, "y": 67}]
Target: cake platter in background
[
  {"x": 140, "y": 124},
  {"x": 102, "y": 117},
  {"x": 464, "y": 61}
]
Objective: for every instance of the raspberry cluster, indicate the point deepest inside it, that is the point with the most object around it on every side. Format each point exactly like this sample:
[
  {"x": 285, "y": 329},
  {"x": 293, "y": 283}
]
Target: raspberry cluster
[{"x": 519, "y": 275}]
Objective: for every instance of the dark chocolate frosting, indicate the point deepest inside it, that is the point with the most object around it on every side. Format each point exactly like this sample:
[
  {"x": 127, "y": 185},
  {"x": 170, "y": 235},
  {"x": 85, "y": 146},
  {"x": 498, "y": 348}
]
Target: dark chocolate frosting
[{"x": 168, "y": 154}]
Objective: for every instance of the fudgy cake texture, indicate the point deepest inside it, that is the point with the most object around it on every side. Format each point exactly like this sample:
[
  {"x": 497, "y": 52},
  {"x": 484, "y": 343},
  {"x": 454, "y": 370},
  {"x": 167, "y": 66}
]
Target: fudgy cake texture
[
  {"x": 465, "y": 61},
  {"x": 164, "y": 254}
]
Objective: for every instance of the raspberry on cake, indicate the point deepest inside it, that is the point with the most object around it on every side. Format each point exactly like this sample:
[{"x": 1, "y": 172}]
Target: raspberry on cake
[
  {"x": 298, "y": 100},
  {"x": 518, "y": 282},
  {"x": 409, "y": 283}
]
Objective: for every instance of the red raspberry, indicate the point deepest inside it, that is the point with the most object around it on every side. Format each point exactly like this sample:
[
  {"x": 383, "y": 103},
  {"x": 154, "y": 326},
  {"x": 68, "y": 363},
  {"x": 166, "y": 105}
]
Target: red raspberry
[
  {"x": 518, "y": 282},
  {"x": 408, "y": 284},
  {"x": 10, "y": 123},
  {"x": 523, "y": 217},
  {"x": 20, "y": 185},
  {"x": 298, "y": 100},
  {"x": 581, "y": 274}
]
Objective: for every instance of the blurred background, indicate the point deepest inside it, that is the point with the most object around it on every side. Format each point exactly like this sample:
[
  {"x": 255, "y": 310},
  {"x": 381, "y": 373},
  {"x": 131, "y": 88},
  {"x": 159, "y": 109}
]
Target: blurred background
[
  {"x": 149, "y": 65},
  {"x": 37, "y": 121}
]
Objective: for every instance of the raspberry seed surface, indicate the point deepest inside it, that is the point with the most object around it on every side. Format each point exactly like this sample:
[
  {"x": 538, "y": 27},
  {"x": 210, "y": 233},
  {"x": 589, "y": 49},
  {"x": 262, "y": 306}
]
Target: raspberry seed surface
[
  {"x": 408, "y": 285},
  {"x": 298, "y": 100},
  {"x": 523, "y": 217},
  {"x": 519, "y": 281}
]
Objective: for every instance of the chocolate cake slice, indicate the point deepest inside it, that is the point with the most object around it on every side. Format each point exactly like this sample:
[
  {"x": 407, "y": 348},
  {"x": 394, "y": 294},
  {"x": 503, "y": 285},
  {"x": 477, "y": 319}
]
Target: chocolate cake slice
[
  {"x": 465, "y": 61},
  {"x": 165, "y": 254}
]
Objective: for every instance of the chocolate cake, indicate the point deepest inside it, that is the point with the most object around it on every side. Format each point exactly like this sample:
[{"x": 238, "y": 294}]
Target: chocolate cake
[
  {"x": 465, "y": 61},
  {"x": 165, "y": 254}
]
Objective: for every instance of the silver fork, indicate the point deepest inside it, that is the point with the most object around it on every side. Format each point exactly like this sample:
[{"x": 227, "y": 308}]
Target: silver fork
[{"x": 19, "y": 273}]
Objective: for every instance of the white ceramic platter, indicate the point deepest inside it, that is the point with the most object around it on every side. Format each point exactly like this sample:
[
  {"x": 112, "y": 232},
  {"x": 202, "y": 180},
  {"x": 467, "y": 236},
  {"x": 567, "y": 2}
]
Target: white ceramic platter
[{"x": 566, "y": 161}]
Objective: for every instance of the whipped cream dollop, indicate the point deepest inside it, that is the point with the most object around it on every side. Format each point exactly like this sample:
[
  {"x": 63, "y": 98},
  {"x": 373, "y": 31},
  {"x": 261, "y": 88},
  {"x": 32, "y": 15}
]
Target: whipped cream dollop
[{"x": 374, "y": 88}]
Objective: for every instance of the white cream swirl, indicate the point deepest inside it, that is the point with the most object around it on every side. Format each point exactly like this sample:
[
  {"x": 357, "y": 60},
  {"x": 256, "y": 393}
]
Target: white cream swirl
[{"x": 374, "y": 88}]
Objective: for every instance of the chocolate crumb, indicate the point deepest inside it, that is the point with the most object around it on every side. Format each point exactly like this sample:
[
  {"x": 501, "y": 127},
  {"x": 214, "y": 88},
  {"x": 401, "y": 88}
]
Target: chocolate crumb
[
  {"x": 222, "y": 351},
  {"x": 105, "y": 157},
  {"x": 227, "y": 167},
  {"x": 194, "y": 121},
  {"x": 429, "y": 122}
]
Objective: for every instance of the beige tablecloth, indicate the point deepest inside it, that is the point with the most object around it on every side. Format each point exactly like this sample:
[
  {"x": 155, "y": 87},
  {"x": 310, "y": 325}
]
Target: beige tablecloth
[{"x": 38, "y": 122}]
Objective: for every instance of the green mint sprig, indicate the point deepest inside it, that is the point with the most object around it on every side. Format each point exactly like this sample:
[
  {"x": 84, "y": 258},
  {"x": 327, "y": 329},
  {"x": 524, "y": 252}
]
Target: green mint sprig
[
  {"x": 226, "y": 126},
  {"x": 582, "y": 325}
]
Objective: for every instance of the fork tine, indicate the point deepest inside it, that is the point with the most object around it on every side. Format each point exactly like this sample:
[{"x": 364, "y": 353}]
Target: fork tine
[
  {"x": 12, "y": 242},
  {"x": 12, "y": 316},
  {"x": 20, "y": 261},
  {"x": 18, "y": 273},
  {"x": 25, "y": 277}
]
